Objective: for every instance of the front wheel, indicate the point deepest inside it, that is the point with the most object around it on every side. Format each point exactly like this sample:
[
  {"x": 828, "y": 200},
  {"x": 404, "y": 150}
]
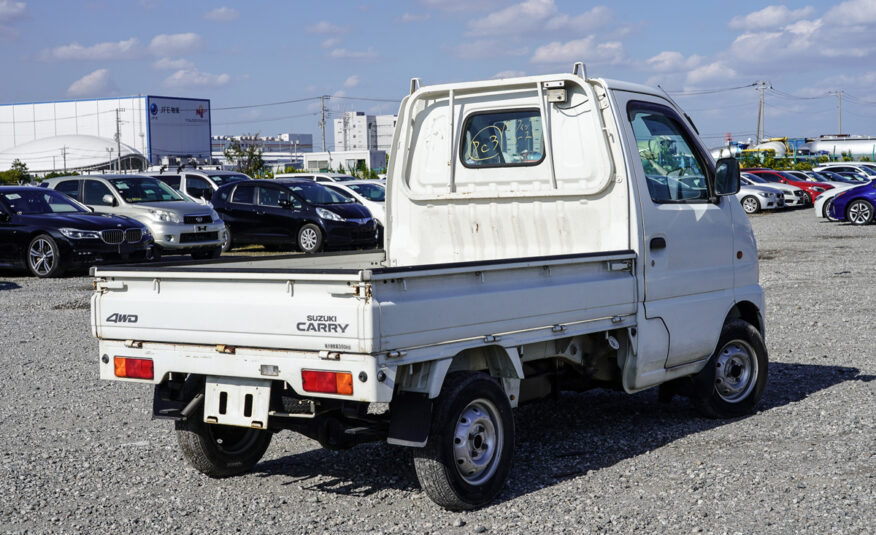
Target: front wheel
[
  {"x": 734, "y": 379},
  {"x": 468, "y": 454},
  {"x": 44, "y": 257},
  {"x": 860, "y": 212},
  {"x": 310, "y": 238},
  {"x": 220, "y": 450},
  {"x": 825, "y": 210},
  {"x": 226, "y": 243},
  {"x": 751, "y": 205}
]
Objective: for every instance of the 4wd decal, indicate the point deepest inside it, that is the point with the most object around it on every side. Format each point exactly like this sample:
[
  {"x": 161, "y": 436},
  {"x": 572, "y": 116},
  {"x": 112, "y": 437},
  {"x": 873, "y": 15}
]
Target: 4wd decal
[
  {"x": 122, "y": 318},
  {"x": 322, "y": 324}
]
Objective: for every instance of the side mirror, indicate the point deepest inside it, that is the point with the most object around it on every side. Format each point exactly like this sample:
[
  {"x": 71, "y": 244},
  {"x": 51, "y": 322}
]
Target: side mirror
[
  {"x": 726, "y": 177},
  {"x": 108, "y": 200}
]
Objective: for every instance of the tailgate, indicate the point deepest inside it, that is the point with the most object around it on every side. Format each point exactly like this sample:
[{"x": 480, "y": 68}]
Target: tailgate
[{"x": 304, "y": 311}]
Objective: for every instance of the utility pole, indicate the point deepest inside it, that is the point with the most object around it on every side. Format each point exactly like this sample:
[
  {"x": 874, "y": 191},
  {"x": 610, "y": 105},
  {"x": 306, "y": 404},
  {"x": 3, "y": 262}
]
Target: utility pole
[
  {"x": 64, "y": 155},
  {"x": 119, "y": 140},
  {"x": 761, "y": 85},
  {"x": 839, "y": 96},
  {"x": 110, "y": 151},
  {"x": 322, "y": 122}
]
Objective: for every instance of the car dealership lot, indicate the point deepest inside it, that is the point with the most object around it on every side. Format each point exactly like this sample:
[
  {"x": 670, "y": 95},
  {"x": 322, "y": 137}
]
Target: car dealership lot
[{"x": 79, "y": 455}]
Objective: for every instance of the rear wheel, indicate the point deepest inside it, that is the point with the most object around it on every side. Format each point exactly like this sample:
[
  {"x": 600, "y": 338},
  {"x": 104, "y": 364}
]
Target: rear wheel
[
  {"x": 860, "y": 212},
  {"x": 750, "y": 204},
  {"x": 468, "y": 455},
  {"x": 310, "y": 238},
  {"x": 44, "y": 257},
  {"x": 226, "y": 243},
  {"x": 220, "y": 450},
  {"x": 734, "y": 379}
]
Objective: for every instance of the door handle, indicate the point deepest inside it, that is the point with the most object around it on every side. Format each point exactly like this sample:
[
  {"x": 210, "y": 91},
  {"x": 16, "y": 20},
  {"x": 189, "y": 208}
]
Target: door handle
[{"x": 658, "y": 243}]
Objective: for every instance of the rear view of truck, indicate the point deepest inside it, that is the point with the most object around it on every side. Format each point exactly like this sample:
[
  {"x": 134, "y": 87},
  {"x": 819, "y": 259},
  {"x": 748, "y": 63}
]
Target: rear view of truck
[{"x": 544, "y": 233}]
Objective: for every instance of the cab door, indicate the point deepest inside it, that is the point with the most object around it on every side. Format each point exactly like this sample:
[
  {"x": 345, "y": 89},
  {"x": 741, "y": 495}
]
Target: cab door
[{"x": 686, "y": 230}]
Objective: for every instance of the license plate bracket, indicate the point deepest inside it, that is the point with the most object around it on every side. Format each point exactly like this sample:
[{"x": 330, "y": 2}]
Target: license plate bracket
[{"x": 237, "y": 401}]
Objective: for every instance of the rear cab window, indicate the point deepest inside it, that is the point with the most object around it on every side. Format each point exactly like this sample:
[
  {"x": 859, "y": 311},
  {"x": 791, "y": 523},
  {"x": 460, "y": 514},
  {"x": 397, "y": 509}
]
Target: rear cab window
[{"x": 505, "y": 138}]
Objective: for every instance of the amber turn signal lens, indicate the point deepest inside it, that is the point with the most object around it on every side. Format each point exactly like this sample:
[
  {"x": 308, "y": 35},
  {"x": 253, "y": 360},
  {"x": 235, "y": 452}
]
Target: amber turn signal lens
[
  {"x": 134, "y": 368},
  {"x": 327, "y": 382}
]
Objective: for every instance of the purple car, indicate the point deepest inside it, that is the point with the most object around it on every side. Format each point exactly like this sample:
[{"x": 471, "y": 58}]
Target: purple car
[{"x": 855, "y": 204}]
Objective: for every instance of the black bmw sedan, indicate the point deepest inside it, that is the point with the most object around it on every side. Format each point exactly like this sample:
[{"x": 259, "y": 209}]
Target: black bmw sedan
[
  {"x": 277, "y": 213},
  {"x": 49, "y": 233}
]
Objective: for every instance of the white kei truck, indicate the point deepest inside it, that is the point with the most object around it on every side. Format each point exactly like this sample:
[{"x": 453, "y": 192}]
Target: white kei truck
[{"x": 544, "y": 233}]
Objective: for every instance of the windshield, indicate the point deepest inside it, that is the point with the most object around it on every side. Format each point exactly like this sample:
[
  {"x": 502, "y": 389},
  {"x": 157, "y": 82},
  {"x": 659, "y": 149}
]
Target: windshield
[
  {"x": 754, "y": 178},
  {"x": 372, "y": 192},
  {"x": 40, "y": 201},
  {"x": 137, "y": 190},
  {"x": 316, "y": 193},
  {"x": 848, "y": 179},
  {"x": 221, "y": 180},
  {"x": 344, "y": 178},
  {"x": 772, "y": 178}
]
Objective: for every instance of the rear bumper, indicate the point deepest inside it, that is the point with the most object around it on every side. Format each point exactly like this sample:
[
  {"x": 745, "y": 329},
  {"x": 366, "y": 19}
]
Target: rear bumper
[{"x": 281, "y": 365}]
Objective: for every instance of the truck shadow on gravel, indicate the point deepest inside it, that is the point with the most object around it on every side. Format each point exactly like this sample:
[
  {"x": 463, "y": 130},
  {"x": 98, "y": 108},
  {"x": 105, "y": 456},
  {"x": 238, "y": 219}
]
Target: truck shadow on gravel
[{"x": 557, "y": 439}]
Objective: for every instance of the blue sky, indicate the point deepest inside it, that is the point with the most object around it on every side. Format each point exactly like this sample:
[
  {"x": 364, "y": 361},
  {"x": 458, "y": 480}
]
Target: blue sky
[{"x": 255, "y": 52}]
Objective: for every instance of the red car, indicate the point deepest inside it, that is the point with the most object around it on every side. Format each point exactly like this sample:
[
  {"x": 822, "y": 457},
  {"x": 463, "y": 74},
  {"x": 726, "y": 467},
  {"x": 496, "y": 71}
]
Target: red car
[{"x": 813, "y": 189}]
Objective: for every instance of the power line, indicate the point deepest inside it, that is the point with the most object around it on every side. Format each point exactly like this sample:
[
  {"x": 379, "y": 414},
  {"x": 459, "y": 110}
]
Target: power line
[{"x": 694, "y": 92}]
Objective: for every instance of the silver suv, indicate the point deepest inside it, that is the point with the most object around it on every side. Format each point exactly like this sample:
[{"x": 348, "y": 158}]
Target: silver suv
[
  {"x": 199, "y": 184},
  {"x": 178, "y": 225}
]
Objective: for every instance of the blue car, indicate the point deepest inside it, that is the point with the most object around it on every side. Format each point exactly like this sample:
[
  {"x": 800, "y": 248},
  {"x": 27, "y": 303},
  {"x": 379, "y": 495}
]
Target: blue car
[{"x": 854, "y": 205}]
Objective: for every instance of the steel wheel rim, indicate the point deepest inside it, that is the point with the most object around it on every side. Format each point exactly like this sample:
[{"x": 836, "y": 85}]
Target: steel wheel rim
[
  {"x": 859, "y": 213},
  {"x": 478, "y": 440},
  {"x": 736, "y": 371},
  {"x": 41, "y": 256},
  {"x": 231, "y": 440},
  {"x": 308, "y": 239},
  {"x": 750, "y": 205}
]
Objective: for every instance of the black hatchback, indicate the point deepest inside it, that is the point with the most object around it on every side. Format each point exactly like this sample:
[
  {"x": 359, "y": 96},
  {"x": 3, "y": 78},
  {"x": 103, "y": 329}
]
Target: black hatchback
[
  {"x": 47, "y": 232},
  {"x": 279, "y": 213}
]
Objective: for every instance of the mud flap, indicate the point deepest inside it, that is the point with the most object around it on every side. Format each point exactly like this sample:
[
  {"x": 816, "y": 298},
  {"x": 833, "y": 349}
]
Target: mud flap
[{"x": 411, "y": 419}]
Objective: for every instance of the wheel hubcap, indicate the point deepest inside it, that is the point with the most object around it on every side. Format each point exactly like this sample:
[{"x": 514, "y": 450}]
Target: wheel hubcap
[
  {"x": 308, "y": 239},
  {"x": 750, "y": 205},
  {"x": 477, "y": 442},
  {"x": 859, "y": 213},
  {"x": 42, "y": 257},
  {"x": 735, "y": 371}
]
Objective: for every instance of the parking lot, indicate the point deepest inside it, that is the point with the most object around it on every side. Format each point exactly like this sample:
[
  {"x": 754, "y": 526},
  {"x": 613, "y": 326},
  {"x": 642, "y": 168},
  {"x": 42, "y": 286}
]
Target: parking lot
[{"x": 82, "y": 456}]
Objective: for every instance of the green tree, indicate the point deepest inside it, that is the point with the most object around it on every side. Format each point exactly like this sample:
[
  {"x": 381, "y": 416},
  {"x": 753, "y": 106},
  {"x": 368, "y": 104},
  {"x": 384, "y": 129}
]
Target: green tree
[
  {"x": 17, "y": 174},
  {"x": 246, "y": 158}
]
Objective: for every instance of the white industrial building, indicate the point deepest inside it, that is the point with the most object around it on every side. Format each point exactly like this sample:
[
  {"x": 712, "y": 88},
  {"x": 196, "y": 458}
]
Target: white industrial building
[
  {"x": 148, "y": 129},
  {"x": 357, "y": 131},
  {"x": 373, "y": 159},
  {"x": 278, "y": 151}
]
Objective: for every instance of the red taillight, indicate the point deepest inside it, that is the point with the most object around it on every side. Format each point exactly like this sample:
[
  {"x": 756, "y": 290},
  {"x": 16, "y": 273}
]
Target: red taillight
[
  {"x": 134, "y": 368},
  {"x": 327, "y": 382}
]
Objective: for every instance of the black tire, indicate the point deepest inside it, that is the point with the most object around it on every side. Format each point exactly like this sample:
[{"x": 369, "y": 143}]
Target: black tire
[
  {"x": 750, "y": 204},
  {"x": 825, "y": 210},
  {"x": 474, "y": 406},
  {"x": 859, "y": 212},
  {"x": 310, "y": 238},
  {"x": 207, "y": 254},
  {"x": 734, "y": 379},
  {"x": 220, "y": 450},
  {"x": 43, "y": 257},
  {"x": 228, "y": 243}
]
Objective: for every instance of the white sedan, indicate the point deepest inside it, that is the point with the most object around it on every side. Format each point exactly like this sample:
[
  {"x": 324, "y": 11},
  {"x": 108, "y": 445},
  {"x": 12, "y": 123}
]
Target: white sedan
[
  {"x": 794, "y": 196},
  {"x": 757, "y": 198},
  {"x": 371, "y": 193}
]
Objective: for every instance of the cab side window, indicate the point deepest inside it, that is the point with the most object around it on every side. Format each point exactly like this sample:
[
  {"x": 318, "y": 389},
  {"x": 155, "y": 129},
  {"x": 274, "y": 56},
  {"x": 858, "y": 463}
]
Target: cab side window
[
  {"x": 244, "y": 194},
  {"x": 93, "y": 193},
  {"x": 198, "y": 187},
  {"x": 674, "y": 169},
  {"x": 69, "y": 188},
  {"x": 271, "y": 197},
  {"x": 170, "y": 180}
]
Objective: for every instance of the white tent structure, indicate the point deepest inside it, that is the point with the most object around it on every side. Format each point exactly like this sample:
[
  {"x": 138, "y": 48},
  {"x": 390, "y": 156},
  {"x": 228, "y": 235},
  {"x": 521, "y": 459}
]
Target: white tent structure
[{"x": 72, "y": 153}]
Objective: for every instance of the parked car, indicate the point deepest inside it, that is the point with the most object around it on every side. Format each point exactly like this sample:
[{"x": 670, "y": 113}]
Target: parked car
[
  {"x": 48, "y": 233},
  {"x": 780, "y": 177},
  {"x": 279, "y": 213},
  {"x": 757, "y": 198},
  {"x": 794, "y": 196},
  {"x": 816, "y": 178},
  {"x": 178, "y": 225},
  {"x": 854, "y": 205},
  {"x": 199, "y": 184},
  {"x": 370, "y": 193},
  {"x": 317, "y": 177},
  {"x": 864, "y": 168}
]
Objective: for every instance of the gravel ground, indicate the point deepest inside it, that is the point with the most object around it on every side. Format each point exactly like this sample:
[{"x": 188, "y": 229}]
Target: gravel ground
[{"x": 80, "y": 455}]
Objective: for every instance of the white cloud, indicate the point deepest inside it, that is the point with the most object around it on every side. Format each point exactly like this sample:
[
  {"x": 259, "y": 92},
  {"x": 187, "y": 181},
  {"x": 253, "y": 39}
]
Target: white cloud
[
  {"x": 330, "y": 42},
  {"x": 343, "y": 53},
  {"x": 93, "y": 84},
  {"x": 769, "y": 17},
  {"x": 177, "y": 43},
  {"x": 477, "y": 49},
  {"x": 717, "y": 71},
  {"x": 413, "y": 17},
  {"x": 352, "y": 81},
  {"x": 184, "y": 78},
  {"x": 853, "y": 12},
  {"x": 508, "y": 74},
  {"x": 588, "y": 20},
  {"x": 537, "y": 16},
  {"x": 167, "y": 64},
  {"x": 588, "y": 50},
  {"x": 222, "y": 14},
  {"x": 128, "y": 49},
  {"x": 671, "y": 61},
  {"x": 326, "y": 27},
  {"x": 11, "y": 11}
]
